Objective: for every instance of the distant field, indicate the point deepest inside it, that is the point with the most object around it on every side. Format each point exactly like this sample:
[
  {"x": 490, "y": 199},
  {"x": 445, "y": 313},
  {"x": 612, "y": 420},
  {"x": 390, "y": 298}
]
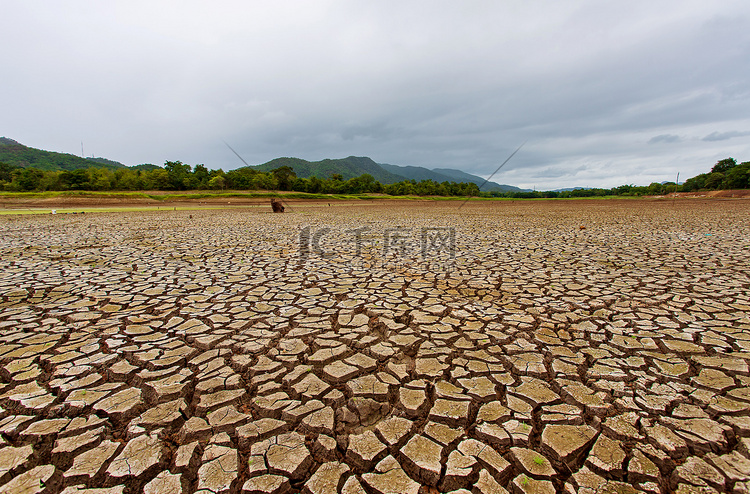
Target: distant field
[
  {"x": 80, "y": 200},
  {"x": 167, "y": 196},
  {"x": 12, "y": 203}
]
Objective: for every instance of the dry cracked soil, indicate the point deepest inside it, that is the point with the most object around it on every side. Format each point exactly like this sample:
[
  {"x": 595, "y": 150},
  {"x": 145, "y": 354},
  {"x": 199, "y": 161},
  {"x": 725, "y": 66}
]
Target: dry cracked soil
[{"x": 525, "y": 347}]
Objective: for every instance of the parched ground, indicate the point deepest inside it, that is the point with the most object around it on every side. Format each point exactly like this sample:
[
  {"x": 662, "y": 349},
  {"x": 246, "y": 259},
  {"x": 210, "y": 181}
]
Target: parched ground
[{"x": 527, "y": 346}]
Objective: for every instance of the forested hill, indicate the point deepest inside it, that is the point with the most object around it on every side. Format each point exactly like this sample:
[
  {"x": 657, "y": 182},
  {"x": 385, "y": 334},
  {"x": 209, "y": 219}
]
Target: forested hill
[
  {"x": 350, "y": 167},
  {"x": 448, "y": 175},
  {"x": 26, "y": 168},
  {"x": 16, "y": 154},
  {"x": 354, "y": 166}
]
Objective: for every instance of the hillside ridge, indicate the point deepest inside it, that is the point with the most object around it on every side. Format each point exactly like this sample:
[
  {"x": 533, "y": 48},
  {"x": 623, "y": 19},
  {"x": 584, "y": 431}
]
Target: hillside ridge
[{"x": 16, "y": 154}]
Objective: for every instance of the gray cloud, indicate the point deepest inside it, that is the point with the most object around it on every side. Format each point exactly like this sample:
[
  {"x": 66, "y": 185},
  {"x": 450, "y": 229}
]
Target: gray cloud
[
  {"x": 435, "y": 84},
  {"x": 666, "y": 138},
  {"x": 723, "y": 136}
]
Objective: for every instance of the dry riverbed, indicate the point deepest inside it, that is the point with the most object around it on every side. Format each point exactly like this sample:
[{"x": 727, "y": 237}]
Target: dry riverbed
[{"x": 516, "y": 346}]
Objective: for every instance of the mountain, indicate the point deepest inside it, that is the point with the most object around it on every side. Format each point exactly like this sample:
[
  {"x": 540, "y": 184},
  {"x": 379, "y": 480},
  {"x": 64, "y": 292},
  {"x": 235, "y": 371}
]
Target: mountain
[
  {"x": 382, "y": 172},
  {"x": 105, "y": 162},
  {"x": 145, "y": 167},
  {"x": 415, "y": 173},
  {"x": 350, "y": 167},
  {"x": 16, "y": 154},
  {"x": 458, "y": 175}
]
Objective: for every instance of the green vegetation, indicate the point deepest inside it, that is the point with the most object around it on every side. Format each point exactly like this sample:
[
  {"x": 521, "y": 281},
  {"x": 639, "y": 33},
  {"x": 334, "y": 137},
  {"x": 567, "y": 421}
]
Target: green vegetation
[
  {"x": 15, "y": 154},
  {"x": 726, "y": 174},
  {"x": 177, "y": 176},
  {"x": 25, "y": 169},
  {"x": 353, "y": 167},
  {"x": 347, "y": 168}
]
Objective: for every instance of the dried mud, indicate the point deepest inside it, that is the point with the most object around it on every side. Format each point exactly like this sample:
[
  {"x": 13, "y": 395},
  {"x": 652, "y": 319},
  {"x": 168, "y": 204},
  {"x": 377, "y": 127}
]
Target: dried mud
[{"x": 583, "y": 346}]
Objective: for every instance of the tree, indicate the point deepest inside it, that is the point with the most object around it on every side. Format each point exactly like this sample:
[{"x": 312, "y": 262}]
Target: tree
[
  {"x": 714, "y": 180},
  {"x": 244, "y": 178},
  {"x": 624, "y": 189},
  {"x": 655, "y": 188},
  {"x": 737, "y": 177},
  {"x": 201, "y": 176},
  {"x": 357, "y": 185},
  {"x": 30, "y": 179},
  {"x": 156, "y": 179},
  {"x": 5, "y": 172},
  {"x": 722, "y": 166},
  {"x": 179, "y": 174},
  {"x": 100, "y": 178},
  {"x": 74, "y": 180},
  {"x": 126, "y": 179},
  {"x": 284, "y": 177},
  {"x": 267, "y": 181},
  {"x": 218, "y": 182},
  {"x": 314, "y": 185},
  {"x": 695, "y": 183}
]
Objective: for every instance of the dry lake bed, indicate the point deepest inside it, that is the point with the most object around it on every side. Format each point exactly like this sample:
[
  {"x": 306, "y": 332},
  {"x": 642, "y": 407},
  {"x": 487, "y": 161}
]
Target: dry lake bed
[{"x": 413, "y": 347}]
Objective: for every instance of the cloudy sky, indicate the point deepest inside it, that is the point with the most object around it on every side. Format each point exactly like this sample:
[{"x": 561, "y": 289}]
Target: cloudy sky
[{"x": 602, "y": 92}]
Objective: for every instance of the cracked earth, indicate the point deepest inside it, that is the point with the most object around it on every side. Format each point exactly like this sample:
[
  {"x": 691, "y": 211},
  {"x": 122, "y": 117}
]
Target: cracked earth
[{"x": 548, "y": 346}]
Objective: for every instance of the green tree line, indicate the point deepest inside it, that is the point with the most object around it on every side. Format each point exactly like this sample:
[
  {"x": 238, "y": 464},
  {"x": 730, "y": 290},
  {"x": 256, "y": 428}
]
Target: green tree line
[
  {"x": 177, "y": 176},
  {"x": 725, "y": 174}
]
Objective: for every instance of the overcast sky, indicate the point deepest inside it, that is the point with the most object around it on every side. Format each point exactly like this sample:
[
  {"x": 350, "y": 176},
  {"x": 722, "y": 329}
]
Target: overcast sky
[{"x": 602, "y": 92}]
